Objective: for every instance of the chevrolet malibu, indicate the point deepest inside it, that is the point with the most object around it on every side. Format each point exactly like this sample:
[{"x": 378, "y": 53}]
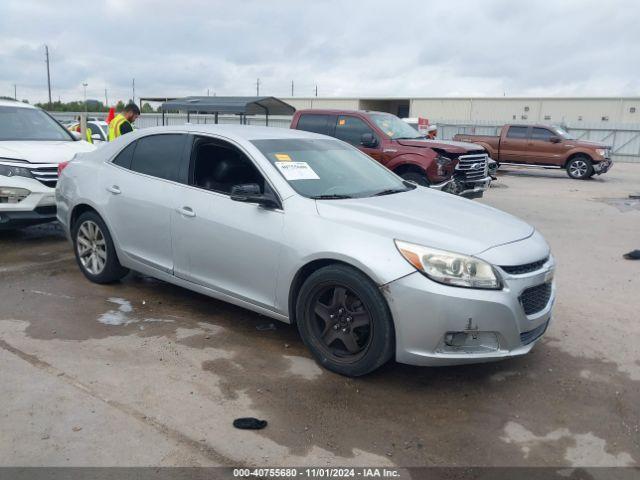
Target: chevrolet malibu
[{"x": 308, "y": 230}]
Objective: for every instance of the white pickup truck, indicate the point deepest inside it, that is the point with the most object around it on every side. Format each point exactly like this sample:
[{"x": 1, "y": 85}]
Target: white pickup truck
[{"x": 32, "y": 144}]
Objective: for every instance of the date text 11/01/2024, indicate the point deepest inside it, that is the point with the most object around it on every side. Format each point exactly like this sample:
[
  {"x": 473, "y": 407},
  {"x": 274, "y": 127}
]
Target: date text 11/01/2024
[{"x": 316, "y": 472}]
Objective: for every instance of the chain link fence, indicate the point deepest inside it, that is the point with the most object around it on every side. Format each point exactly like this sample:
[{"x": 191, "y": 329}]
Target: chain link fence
[{"x": 624, "y": 138}]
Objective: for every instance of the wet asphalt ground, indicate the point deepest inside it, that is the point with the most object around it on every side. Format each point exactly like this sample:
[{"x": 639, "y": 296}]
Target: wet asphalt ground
[{"x": 146, "y": 373}]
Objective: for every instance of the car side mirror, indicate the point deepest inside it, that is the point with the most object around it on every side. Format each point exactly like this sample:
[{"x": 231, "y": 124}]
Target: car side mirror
[
  {"x": 368, "y": 140},
  {"x": 554, "y": 139},
  {"x": 250, "y": 193},
  {"x": 96, "y": 136}
]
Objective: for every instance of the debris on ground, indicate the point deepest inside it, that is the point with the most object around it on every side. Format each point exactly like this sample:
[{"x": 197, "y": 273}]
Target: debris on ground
[
  {"x": 632, "y": 255},
  {"x": 266, "y": 326},
  {"x": 249, "y": 423}
]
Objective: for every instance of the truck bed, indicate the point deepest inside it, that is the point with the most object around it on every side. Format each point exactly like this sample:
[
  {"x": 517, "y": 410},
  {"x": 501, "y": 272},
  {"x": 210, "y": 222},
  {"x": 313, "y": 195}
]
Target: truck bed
[{"x": 490, "y": 142}]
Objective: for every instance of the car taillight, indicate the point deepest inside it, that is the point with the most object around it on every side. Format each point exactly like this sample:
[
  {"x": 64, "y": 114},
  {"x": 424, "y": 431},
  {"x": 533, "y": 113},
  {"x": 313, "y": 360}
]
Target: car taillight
[{"x": 61, "y": 166}]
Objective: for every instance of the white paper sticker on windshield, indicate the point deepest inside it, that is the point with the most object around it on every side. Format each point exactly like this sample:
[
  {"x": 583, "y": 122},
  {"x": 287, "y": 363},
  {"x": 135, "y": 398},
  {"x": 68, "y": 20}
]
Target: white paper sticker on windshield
[{"x": 297, "y": 171}]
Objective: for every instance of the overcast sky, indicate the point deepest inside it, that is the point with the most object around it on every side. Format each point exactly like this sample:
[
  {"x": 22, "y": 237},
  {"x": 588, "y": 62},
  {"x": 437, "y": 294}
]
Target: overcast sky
[{"x": 348, "y": 48}]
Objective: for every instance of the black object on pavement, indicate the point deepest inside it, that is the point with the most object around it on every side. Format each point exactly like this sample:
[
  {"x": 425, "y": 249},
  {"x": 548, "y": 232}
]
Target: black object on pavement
[
  {"x": 632, "y": 255},
  {"x": 249, "y": 423}
]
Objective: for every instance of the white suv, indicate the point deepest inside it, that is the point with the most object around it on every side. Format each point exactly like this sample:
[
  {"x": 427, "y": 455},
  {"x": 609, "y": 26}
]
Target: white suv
[{"x": 32, "y": 144}]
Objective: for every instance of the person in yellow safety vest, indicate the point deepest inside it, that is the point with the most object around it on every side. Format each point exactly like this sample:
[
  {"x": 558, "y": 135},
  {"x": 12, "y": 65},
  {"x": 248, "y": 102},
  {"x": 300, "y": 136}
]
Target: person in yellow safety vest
[
  {"x": 88, "y": 133},
  {"x": 123, "y": 122}
]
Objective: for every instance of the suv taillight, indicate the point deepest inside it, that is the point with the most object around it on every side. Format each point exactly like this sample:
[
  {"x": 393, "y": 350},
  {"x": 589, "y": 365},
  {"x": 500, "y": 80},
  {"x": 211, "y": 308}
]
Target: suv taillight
[{"x": 61, "y": 166}]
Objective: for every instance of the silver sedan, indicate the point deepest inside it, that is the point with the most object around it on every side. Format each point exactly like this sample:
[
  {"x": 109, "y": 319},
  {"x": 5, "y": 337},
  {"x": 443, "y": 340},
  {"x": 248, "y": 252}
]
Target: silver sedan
[{"x": 308, "y": 230}]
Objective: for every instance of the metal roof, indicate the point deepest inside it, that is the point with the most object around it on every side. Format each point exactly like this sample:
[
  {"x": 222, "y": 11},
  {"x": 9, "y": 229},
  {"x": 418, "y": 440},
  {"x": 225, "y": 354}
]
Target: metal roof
[{"x": 230, "y": 105}]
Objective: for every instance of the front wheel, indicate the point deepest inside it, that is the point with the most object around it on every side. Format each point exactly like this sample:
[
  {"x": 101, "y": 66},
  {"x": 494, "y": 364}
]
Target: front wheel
[
  {"x": 580, "y": 168},
  {"x": 95, "y": 253},
  {"x": 344, "y": 320},
  {"x": 415, "y": 177}
]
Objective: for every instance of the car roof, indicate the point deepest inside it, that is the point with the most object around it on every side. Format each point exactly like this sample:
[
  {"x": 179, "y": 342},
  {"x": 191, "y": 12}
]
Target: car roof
[
  {"x": 14, "y": 103},
  {"x": 336, "y": 111},
  {"x": 238, "y": 132}
]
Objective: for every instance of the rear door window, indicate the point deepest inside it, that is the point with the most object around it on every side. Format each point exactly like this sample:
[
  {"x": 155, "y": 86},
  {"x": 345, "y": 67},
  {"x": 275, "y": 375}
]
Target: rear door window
[
  {"x": 517, "y": 132},
  {"x": 159, "y": 155},
  {"x": 123, "y": 159},
  {"x": 541, "y": 134},
  {"x": 315, "y": 123},
  {"x": 350, "y": 129}
]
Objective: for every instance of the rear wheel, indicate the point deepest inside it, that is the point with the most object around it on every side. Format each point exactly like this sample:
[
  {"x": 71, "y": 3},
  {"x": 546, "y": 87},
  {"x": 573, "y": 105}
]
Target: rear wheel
[
  {"x": 415, "y": 177},
  {"x": 344, "y": 320},
  {"x": 95, "y": 253},
  {"x": 580, "y": 168}
]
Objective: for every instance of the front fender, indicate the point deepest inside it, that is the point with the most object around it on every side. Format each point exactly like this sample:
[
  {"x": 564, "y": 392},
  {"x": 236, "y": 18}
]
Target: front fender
[{"x": 423, "y": 162}]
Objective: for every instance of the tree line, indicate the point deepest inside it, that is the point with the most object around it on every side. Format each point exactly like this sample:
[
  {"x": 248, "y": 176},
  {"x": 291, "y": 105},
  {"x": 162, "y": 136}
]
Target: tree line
[{"x": 92, "y": 106}]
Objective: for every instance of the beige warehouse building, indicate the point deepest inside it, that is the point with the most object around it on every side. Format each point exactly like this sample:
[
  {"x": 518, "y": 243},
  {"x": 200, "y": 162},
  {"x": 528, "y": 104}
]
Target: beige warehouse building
[{"x": 571, "y": 110}]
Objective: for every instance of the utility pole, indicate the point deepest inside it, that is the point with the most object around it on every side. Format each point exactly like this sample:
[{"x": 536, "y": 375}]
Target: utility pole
[
  {"x": 106, "y": 99},
  {"x": 85, "y": 84},
  {"x": 316, "y": 90},
  {"x": 207, "y": 92},
  {"x": 133, "y": 89},
  {"x": 46, "y": 52},
  {"x": 292, "y": 88},
  {"x": 258, "y": 87},
  {"x": 15, "y": 92}
]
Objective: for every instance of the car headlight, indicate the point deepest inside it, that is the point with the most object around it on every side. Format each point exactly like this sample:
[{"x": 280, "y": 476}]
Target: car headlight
[
  {"x": 10, "y": 171},
  {"x": 450, "y": 268},
  {"x": 442, "y": 160},
  {"x": 602, "y": 152}
]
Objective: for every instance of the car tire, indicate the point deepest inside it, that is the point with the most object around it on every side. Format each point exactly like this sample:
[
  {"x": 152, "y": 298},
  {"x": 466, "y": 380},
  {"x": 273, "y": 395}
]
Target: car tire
[
  {"x": 345, "y": 321},
  {"x": 580, "y": 168},
  {"x": 417, "y": 178},
  {"x": 94, "y": 250}
]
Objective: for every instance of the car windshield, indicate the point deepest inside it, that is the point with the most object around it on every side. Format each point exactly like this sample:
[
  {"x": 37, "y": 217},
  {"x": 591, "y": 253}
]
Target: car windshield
[
  {"x": 19, "y": 123},
  {"x": 393, "y": 127},
  {"x": 329, "y": 169},
  {"x": 561, "y": 132}
]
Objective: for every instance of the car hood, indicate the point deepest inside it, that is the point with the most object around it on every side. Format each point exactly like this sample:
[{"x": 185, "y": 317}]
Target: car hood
[
  {"x": 451, "y": 147},
  {"x": 463, "y": 145},
  {"x": 43, "y": 151},
  {"x": 430, "y": 218},
  {"x": 588, "y": 144}
]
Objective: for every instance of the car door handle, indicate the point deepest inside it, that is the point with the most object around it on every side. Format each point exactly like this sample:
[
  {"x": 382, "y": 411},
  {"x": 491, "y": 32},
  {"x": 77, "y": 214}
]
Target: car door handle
[
  {"x": 114, "y": 189},
  {"x": 187, "y": 212}
]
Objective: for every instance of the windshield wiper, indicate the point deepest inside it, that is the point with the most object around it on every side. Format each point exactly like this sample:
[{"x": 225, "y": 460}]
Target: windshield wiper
[
  {"x": 332, "y": 196},
  {"x": 408, "y": 138},
  {"x": 390, "y": 191}
]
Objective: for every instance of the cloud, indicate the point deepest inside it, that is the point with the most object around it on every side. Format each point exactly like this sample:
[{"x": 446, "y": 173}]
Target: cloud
[{"x": 357, "y": 48}]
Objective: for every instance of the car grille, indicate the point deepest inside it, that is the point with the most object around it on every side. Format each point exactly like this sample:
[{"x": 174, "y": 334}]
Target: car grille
[
  {"x": 47, "y": 174},
  {"x": 535, "y": 298},
  {"x": 474, "y": 167},
  {"x": 526, "y": 268},
  {"x": 532, "y": 335}
]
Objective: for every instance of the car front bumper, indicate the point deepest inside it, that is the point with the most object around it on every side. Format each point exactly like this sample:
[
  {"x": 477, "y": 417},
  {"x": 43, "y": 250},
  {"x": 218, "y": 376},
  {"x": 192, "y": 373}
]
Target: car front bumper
[
  {"x": 475, "y": 189},
  {"x": 39, "y": 206},
  {"x": 425, "y": 313},
  {"x": 603, "y": 167}
]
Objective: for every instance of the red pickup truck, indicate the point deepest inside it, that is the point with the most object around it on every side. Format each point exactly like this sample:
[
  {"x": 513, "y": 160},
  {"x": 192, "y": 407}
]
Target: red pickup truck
[
  {"x": 546, "y": 147},
  {"x": 454, "y": 167}
]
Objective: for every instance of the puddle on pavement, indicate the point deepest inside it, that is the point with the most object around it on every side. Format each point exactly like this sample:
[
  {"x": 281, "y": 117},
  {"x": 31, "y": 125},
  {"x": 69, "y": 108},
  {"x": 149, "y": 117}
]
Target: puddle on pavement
[
  {"x": 418, "y": 416},
  {"x": 623, "y": 204}
]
